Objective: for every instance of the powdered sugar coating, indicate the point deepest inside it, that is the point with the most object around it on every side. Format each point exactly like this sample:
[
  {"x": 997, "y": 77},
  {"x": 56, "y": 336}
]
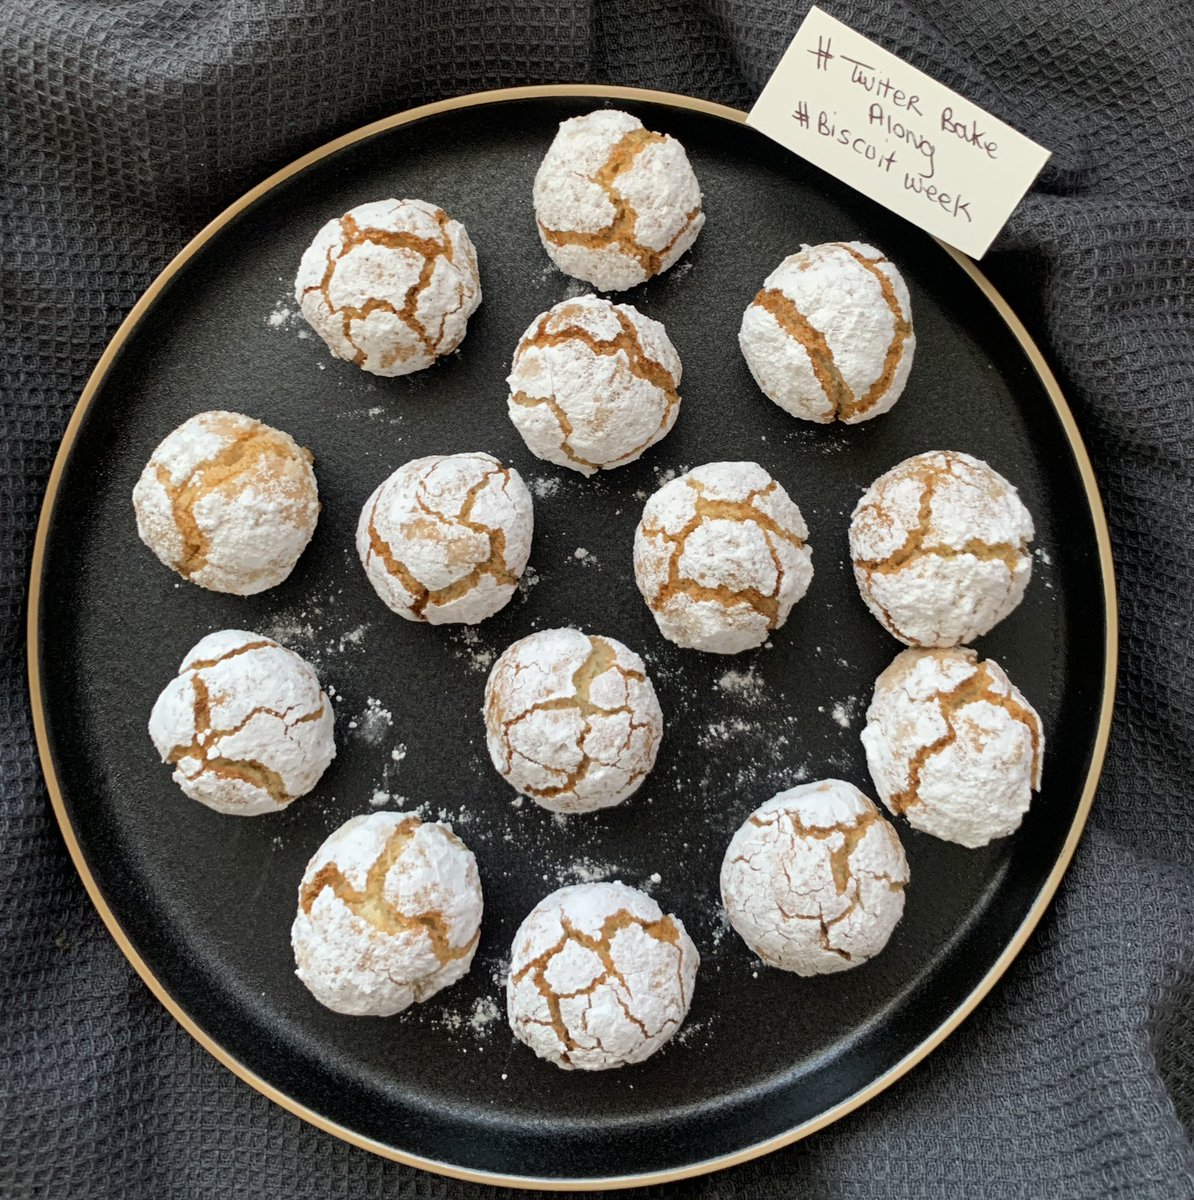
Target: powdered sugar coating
[
  {"x": 720, "y": 557},
  {"x": 390, "y": 285},
  {"x": 227, "y": 502},
  {"x": 445, "y": 538},
  {"x": 615, "y": 203},
  {"x": 953, "y": 745},
  {"x": 940, "y": 548},
  {"x": 244, "y": 723},
  {"x": 571, "y": 720},
  {"x": 814, "y": 880},
  {"x": 829, "y": 336},
  {"x": 389, "y": 914},
  {"x": 599, "y": 977},
  {"x": 593, "y": 384}
]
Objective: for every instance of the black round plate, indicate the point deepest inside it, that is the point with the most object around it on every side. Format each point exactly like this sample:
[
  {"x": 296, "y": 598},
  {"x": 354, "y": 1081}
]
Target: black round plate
[{"x": 202, "y": 903}]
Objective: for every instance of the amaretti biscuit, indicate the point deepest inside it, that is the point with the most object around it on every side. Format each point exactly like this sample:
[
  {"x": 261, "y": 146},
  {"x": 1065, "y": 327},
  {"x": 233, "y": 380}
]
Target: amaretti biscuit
[
  {"x": 720, "y": 556},
  {"x": 953, "y": 745},
  {"x": 445, "y": 538},
  {"x": 390, "y": 285},
  {"x": 389, "y": 914},
  {"x": 615, "y": 203},
  {"x": 228, "y": 503},
  {"x": 814, "y": 879},
  {"x": 593, "y": 384},
  {"x": 599, "y": 977},
  {"x": 940, "y": 548},
  {"x": 829, "y": 336},
  {"x": 245, "y": 724},
  {"x": 572, "y": 720}
]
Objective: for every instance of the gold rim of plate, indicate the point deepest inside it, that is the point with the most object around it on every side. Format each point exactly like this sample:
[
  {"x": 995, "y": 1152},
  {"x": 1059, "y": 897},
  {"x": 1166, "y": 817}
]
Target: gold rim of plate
[{"x": 1040, "y": 904}]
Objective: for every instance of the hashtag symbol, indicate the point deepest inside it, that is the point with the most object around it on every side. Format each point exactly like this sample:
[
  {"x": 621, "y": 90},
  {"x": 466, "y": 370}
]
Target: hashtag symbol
[
  {"x": 801, "y": 114},
  {"x": 822, "y": 53}
]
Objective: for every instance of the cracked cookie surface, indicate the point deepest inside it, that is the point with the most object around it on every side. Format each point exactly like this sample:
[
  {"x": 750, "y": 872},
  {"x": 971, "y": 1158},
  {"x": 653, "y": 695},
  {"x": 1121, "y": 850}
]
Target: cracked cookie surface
[
  {"x": 445, "y": 538},
  {"x": 389, "y": 913},
  {"x": 953, "y": 745},
  {"x": 813, "y": 881},
  {"x": 390, "y": 285},
  {"x": 571, "y": 720},
  {"x": 599, "y": 977},
  {"x": 829, "y": 336},
  {"x": 244, "y": 724},
  {"x": 940, "y": 548},
  {"x": 615, "y": 203},
  {"x": 593, "y": 384},
  {"x": 228, "y": 502},
  {"x": 721, "y": 556}
]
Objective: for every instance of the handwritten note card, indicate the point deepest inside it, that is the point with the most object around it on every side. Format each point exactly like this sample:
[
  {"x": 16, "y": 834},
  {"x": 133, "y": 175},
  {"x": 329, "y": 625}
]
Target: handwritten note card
[{"x": 896, "y": 135}]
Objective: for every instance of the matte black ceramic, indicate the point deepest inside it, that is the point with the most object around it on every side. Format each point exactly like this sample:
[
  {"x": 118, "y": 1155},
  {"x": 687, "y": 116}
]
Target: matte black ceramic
[{"x": 207, "y": 900}]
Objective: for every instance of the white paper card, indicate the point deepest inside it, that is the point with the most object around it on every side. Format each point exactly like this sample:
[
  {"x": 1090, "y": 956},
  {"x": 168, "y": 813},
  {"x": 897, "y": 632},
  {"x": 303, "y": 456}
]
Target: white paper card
[{"x": 898, "y": 136}]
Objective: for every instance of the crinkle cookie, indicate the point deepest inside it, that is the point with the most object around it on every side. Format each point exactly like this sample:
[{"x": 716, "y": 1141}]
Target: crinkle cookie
[
  {"x": 615, "y": 203},
  {"x": 389, "y": 913},
  {"x": 953, "y": 745},
  {"x": 390, "y": 285},
  {"x": 940, "y": 548},
  {"x": 593, "y": 385},
  {"x": 721, "y": 556},
  {"x": 228, "y": 503},
  {"x": 571, "y": 720},
  {"x": 599, "y": 977},
  {"x": 813, "y": 882},
  {"x": 829, "y": 336},
  {"x": 244, "y": 724},
  {"x": 446, "y": 538}
]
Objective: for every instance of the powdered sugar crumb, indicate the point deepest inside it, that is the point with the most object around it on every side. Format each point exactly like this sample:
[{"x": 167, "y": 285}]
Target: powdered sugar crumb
[
  {"x": 484, "y": 1013},
  {"x": 471, "y": 649},
  {"x": 743, "y": 685},
  {"x": 373, "y": 722},
  {"x": 545, "y": 486},
  {"x": 283, "y": 317},
  {"x": 586, "y": 870}
]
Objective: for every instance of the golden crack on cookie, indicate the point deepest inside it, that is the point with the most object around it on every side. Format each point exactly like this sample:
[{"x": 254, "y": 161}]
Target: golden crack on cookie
[
  {"x": 914, "y": 545},
  {"x": 352, "y": 236},
  {"x": 494, "y": 564},
  {"x": 247, "y": 451},
  {"x": 767, "y": 605},
  {"x": 663, "y": 930},
  {"x": 841, "y": 868},
  {"x": 370, "y": 904},
  {"x": 626, "y": 343},
  {"x": 820, "y": 354},
  {"x": 602, "y": 657},
  {"x": 901, "y": 331},
  {"x": 204, "y": 664},
  {"x": 975, "y": 688},
  {"x": 852, "y": 834},
  {"x": 619, "y": 234},
  {"x": 205, "y": 739}
]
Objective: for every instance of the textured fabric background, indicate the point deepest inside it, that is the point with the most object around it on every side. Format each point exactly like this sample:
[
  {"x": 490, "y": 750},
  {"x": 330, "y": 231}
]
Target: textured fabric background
[{"x": 128, "y": 125}]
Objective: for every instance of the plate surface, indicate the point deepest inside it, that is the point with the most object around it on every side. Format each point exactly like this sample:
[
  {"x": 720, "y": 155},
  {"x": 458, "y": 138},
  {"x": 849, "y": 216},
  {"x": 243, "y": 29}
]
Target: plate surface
[{"x": 202, "y": 903}]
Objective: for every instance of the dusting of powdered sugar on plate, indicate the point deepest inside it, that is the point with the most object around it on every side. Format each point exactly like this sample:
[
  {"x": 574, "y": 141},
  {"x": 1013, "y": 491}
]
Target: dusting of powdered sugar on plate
[
  {"x": 543, "y": 487},
  {"x": 747, "y": 686},
  {"x": 373, "y": 723},
  {"x": 468, "y": 645}
]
